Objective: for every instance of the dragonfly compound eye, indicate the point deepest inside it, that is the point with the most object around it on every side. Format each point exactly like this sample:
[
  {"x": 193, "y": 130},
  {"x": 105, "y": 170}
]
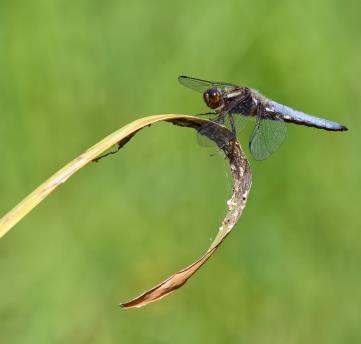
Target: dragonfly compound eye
[{"x": 213, "y": 98}]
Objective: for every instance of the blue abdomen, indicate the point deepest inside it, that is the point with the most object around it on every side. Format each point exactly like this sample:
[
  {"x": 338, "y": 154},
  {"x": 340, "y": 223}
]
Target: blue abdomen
[{"x": 298, "y": 117}]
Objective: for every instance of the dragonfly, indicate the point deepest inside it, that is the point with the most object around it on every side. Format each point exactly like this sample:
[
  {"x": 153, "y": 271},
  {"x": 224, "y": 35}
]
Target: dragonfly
[{"x": 230, "y": 102}]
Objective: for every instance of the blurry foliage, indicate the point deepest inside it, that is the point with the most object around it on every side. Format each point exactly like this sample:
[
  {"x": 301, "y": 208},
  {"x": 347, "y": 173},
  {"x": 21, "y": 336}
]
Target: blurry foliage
[{"x": 73, "y": 71}]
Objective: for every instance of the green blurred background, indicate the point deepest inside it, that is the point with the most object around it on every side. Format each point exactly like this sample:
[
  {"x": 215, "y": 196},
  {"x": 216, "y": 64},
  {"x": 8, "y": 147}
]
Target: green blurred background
[{"x": 74, "y": 71}]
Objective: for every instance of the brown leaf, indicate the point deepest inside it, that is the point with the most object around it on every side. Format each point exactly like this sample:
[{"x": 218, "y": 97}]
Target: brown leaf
[
  {"x": 241, "y": 174},
  {"x": 225, "y": 140}
]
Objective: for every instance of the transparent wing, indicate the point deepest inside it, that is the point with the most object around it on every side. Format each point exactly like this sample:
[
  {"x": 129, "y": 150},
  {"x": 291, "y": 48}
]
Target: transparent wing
[
  {"x": 267, "y": 136},
  {"x": 206, "y": 130},
  {"x": 203, "y": 85},
  {"x": 240, "y": 122}
]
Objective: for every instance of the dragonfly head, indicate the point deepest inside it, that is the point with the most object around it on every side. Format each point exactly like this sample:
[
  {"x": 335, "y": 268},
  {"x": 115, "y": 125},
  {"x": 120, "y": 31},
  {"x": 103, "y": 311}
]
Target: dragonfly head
[{"x": 213, "y": 98}]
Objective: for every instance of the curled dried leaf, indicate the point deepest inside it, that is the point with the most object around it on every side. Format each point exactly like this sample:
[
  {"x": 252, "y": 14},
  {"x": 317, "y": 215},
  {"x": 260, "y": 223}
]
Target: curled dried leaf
[
  {"x": 242, "y": 177},
  {"x": 225, "y": 140}
]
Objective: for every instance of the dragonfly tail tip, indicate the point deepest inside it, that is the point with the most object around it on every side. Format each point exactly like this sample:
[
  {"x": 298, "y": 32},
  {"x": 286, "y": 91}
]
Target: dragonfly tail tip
[{"x": 343, "y": 128}]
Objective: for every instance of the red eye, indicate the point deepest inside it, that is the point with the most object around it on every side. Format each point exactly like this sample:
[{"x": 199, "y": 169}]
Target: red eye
[{"x": 213, "y": 98}]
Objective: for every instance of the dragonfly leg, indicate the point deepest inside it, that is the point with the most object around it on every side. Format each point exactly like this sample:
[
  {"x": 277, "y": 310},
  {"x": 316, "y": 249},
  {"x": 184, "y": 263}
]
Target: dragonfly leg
[
  {"x": 205, "y": 114},
  {"x": 233, "y": 126}
]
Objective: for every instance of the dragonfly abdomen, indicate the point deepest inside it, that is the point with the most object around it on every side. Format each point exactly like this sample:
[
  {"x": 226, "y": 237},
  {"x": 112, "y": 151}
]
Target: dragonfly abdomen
[{"x": 293, "y": 116}]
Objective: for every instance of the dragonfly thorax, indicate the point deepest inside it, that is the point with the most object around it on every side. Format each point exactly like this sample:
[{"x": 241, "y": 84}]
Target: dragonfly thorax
[{"x": 213, "y": 98}]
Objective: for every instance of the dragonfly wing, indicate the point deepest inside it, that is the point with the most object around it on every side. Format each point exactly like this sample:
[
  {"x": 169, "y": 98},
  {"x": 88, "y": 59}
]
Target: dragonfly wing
[
  {"x": 267, "y": 136},
  {"x": 240, "y": 122},
  {"x": 207, "y": 130},
  {"x": 203, "y": 85}
]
